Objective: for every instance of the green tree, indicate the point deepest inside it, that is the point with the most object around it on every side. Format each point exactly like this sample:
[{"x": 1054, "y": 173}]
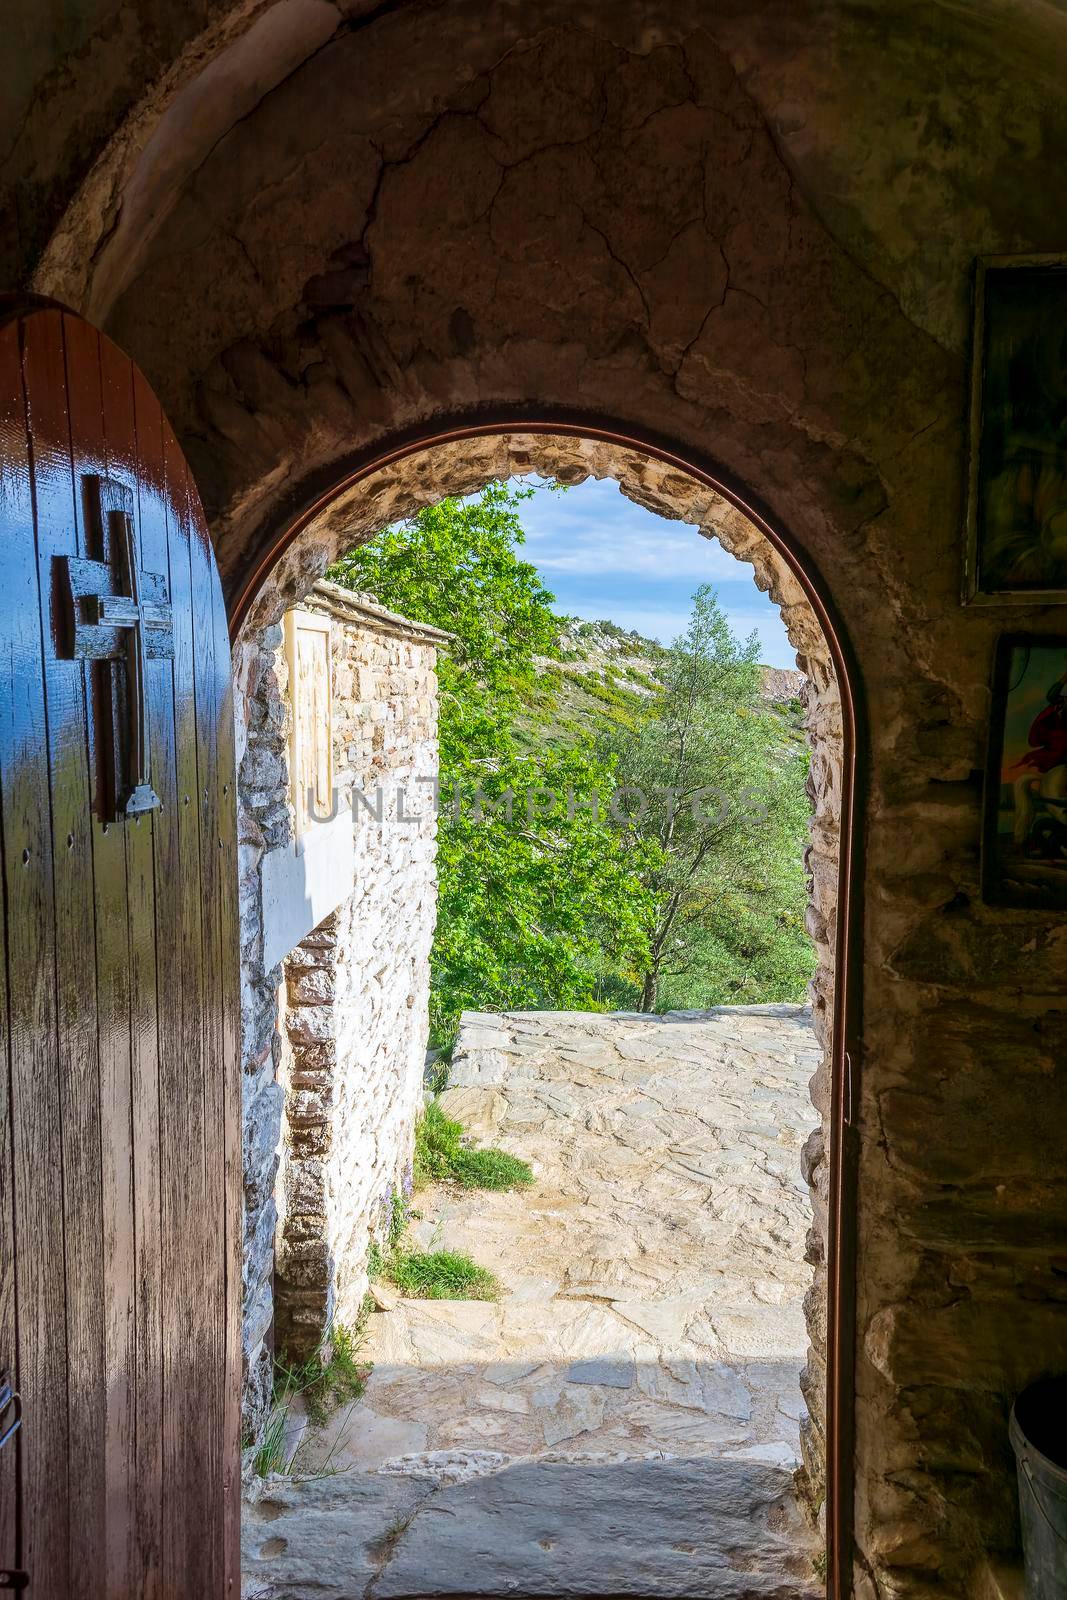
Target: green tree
[
  {"x": 713, "y": 783},
  {"x": 455, "y": 565},
  {"x": 536, "y": 890}
]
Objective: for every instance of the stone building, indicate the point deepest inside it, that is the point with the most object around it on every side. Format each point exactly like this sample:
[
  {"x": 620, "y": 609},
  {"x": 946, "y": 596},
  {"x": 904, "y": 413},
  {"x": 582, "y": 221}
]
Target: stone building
[
  {"x": 369, "y": 255},
  {"x": 337, "y": 918}
]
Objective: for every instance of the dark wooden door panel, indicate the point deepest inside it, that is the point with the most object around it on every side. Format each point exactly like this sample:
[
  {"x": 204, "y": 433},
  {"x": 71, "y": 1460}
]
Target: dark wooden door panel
[
  {"x": 112, "y": 971},
  {"x": 44, "y": 378},
  {"x": 223, "y": 1090},
  {"x": 186, "y": 1192},
  {"x": 37, "y": 1152},
  {"x": 229, "y": 1083},
  {"x": 148, "y": 1399},
  {"x": 8, "y": 1335},
  {"x": 184, "y": 1141},
  {"x": 120, "y": 1079}
]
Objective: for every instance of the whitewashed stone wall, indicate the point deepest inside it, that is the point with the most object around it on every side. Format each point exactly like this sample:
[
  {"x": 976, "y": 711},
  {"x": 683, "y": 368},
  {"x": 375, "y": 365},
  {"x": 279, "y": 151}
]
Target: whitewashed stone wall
[
  {"x": 335, "y": 1035},
  {"x": 358, "y": 988},
  {"x": 264, "y": 822}
]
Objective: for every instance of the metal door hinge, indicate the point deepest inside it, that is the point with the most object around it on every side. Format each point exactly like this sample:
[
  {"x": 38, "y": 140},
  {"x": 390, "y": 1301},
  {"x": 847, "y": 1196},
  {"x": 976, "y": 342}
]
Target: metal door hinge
[
  {"x": 9, "y": 1401},
  {"x": 848, "y": 1106},
  {"x": 10, "y": 1577}
]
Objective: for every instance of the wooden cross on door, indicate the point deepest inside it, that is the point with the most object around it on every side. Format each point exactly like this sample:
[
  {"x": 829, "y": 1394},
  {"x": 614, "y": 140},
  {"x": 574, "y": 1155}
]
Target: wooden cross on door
[{"x": 120, "y": 613}]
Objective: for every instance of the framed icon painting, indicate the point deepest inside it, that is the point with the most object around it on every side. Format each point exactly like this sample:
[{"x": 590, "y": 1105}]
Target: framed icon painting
[
  {"x": 1024, "y": 838},
  {"x": 1016, "y": 534}
]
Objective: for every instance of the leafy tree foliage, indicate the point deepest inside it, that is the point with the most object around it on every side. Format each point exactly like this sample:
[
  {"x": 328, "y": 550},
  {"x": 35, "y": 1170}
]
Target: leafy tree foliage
[
  {"x": 717, "y": 786},
  {"x": 535, "y": 891},
  {"x": 658, "y": 865},
  {"x": 455, "y": 565}
]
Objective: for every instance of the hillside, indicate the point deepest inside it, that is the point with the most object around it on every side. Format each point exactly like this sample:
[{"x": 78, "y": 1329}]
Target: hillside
[{"x": 606, "y": 675}]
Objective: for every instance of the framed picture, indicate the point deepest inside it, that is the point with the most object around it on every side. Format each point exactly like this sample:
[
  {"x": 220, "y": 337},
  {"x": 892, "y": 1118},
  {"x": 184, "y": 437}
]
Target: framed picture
[
  {"x": 1016, "y": 536},
  {"x": 1024, "y": 836}
]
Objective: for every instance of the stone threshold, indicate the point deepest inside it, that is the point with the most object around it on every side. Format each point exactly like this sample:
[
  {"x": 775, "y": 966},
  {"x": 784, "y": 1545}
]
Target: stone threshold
[{"x": 688, "y": 1530}]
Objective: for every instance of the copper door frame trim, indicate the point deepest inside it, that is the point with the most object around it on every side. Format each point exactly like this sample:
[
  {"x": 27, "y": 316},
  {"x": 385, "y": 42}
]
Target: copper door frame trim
[{"x": 845, "y": 1044}]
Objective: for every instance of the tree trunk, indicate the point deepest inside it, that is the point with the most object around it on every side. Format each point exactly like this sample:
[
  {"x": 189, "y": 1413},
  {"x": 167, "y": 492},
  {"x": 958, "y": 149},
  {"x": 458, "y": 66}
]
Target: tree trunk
[{"x": 648, "y": 990}]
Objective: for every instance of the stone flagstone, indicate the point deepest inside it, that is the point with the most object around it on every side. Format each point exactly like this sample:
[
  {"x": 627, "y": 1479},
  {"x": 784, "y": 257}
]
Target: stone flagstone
[{"x": 625, "y": 1419}]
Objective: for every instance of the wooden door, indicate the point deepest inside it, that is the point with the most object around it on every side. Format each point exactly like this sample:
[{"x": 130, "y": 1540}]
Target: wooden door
[{"x": 120, "y": 1092}]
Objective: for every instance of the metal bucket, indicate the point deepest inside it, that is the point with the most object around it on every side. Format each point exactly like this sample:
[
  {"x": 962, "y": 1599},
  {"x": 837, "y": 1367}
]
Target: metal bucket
[{"x": 1038, "y": 1433}]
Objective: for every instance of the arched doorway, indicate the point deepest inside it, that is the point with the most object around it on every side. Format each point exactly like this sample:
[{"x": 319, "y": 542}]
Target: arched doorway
[
  {"x": 285, "y": 302},
  {"x": 391, "y": 482}
]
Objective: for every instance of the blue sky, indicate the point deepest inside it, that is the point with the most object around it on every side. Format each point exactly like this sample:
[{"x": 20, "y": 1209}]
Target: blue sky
[{"x": 602, "y": 556}]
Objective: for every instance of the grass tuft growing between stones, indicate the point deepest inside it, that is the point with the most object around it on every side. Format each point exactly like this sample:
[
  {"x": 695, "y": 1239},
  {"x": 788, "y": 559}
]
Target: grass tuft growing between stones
[
  {"x": 322, "y": 1383},
  {"x": 491, "y": 1169},
  {"x": 440, "y": 1275},
  {"x": 442, "y": 1157},
  {"x": 332, "y": 1383},
  {"x": 270, "y": 1453},
  {"x": 439, "y": 1068}
]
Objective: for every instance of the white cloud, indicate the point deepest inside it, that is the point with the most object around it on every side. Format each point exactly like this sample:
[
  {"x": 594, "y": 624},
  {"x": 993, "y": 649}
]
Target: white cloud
[
  {"x": 604, "y": 556},
  {"x": 619, "y": 551},
  {"x": 594, "y": 528}
]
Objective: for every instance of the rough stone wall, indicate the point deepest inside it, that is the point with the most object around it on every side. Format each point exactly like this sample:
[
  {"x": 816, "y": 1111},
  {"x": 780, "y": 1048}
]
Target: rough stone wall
[
  {"x": 747, "y": 230},
  {"x": 264, "y": 822},
  {"x": 334, "y": 1037},
  {"x": 358, "y": 995}
]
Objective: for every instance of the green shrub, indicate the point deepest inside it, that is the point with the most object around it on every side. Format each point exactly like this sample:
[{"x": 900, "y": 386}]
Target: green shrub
[
  {"x": 441, "y": 1275},
  {"x": 440, "y": 1069},
  {"x": 437, "y": 1143}
]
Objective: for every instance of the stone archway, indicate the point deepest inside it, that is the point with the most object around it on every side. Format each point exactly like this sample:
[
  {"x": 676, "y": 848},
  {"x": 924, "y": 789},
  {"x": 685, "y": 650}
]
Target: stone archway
[
  {"x": 397, "y": 483},
  {"x": 747, "y": 224}
]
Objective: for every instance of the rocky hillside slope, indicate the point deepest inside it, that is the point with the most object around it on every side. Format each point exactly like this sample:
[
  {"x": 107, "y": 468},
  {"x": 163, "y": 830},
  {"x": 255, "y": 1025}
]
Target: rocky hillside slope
[{"x": 606, "y": 675}]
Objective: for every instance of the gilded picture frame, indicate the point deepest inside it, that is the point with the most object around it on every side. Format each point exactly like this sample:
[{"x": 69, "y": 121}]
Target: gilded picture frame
[{"x": 1015, "y": 547}]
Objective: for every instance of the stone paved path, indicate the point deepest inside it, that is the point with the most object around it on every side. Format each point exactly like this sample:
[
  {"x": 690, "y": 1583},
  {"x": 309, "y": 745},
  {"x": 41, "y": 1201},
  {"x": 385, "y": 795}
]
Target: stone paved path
[{"x": 647, "y": 1347}]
